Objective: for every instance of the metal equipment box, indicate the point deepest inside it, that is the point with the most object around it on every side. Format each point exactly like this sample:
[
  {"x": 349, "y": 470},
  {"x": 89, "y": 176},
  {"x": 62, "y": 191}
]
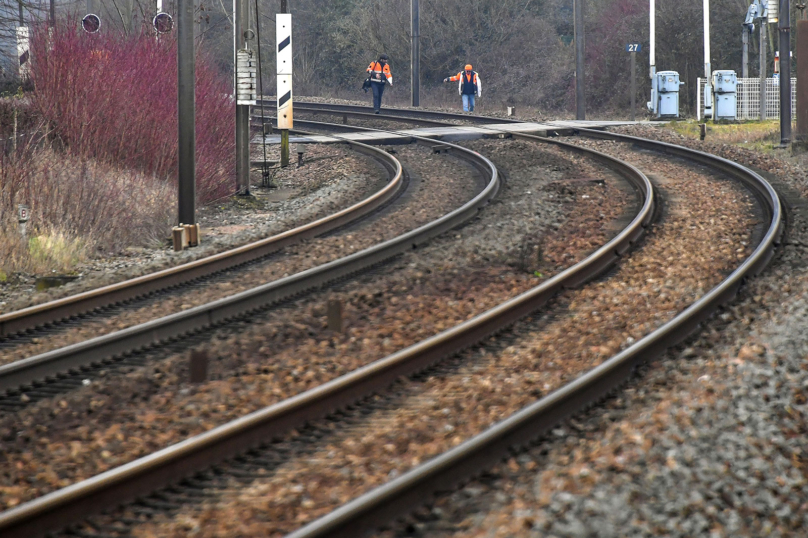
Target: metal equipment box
[
  {"x": 725, "y": 84},
  {"x": 668, "y": 94}
]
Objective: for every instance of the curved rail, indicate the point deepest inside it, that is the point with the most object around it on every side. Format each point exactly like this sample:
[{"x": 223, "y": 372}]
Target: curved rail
[
  {"x": 52, "y": 311},
  {"x": 156, "y": 470},
  {"x": 467, "y": 459},
  {"x": 201, "y": 317}
]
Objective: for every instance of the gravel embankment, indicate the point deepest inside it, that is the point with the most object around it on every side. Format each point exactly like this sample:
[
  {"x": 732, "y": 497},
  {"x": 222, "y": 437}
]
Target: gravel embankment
[
  {"x": 463, "y": 273},
  {"x": 688, "y": 252},
  {"x": 445, "y": 184},
  {"x": 707, "y": 441}
]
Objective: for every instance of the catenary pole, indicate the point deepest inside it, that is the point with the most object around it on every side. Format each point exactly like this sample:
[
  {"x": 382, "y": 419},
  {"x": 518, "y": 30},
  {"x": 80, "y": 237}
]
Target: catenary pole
[
  {"x": 186, "y": 105},
  {"x": 784, "y": 27},
  {"x": 416, "y": 53},
  {"x": 706, "y": 18},
  {"x": 580, "y": 99},
  {"x": 802, "y": 76},
  {"x": 241, "y": 16}
]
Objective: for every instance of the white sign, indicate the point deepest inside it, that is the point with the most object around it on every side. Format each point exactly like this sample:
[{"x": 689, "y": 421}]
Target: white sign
[
  {"x": 283, "y": 32},
  {"x": 25, "y": 213},
  {"x": 23, "y": 51},
  {"x": 246, "y": 77}
]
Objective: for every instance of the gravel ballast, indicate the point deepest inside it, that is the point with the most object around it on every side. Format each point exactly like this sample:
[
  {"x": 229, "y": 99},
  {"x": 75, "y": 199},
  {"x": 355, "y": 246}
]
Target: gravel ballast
[
  {"x": 707, "y": 441},
  {"x": 441, "y": 411}
]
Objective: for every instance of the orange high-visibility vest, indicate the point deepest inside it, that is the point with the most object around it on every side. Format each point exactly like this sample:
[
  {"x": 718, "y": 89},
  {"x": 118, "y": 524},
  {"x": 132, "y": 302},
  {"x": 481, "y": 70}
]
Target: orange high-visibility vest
[{"x": 376, "y": 72}]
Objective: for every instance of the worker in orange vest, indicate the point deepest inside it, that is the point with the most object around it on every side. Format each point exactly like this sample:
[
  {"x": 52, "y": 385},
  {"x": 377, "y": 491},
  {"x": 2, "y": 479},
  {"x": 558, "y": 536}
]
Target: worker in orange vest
[
  {"x": 469, "y": 86},
  {"x": 379, "y": 75}
]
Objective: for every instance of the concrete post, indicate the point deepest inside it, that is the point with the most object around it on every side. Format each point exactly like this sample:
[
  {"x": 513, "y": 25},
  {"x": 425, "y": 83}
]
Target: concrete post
[
  {"x": 802, "y": 81},
  {"x": 241, "y": 17},
  {"x": 186, "y": 106},
  {"x": 415, "y": 28},
  {"x": 580, "y": 98},
  {"x": 784, "y": 27},
  {"x": 745, "y": 59}
]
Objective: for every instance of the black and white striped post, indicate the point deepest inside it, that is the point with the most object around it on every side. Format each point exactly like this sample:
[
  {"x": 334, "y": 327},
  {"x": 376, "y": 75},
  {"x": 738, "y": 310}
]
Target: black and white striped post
[
  {"x": 283, "y": 34},
  {"x": 24, "y": 52}
]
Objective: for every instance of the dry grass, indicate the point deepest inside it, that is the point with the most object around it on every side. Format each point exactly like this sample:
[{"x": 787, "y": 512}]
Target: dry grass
[{"x": 78, "y": 209}]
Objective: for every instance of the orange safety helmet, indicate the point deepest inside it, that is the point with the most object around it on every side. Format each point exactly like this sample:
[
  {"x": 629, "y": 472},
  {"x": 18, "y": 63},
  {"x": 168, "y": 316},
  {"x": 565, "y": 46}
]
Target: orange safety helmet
[{"x": 468, "y": 67}]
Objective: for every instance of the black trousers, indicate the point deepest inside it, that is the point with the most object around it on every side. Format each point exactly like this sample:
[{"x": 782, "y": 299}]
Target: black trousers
[{"x": 378, "y": 90}]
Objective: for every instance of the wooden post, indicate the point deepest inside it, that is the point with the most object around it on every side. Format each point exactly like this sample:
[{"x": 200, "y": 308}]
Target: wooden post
[
  {"x": 285, "y": 147},
  {"x": 178, "y": 238}
]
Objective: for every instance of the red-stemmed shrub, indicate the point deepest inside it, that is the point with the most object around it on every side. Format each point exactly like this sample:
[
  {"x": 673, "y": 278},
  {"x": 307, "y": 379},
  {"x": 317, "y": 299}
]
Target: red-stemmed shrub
[{"x": 113, "y": 99}]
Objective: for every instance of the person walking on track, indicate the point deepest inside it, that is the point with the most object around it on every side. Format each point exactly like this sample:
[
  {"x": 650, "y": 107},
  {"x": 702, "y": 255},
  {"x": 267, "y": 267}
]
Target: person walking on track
[
  {"x": 469, "y": 86},
  {"x": 379, "y": 76}
]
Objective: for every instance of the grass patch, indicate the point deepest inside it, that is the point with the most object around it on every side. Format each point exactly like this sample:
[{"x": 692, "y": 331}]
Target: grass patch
[
  {"x": 757, "y": 135},
  {"x": 57, "y": 251}
]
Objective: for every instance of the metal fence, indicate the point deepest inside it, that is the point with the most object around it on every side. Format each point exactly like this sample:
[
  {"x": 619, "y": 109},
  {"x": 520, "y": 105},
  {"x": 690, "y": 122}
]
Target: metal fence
[{"x": 749, "y": 98}]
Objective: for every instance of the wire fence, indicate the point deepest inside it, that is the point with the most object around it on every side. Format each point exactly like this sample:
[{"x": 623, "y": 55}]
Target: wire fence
[{"x": 748, "y": 95}]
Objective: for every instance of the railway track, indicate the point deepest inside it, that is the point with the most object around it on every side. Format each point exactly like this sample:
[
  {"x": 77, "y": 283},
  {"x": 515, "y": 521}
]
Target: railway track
[
  {"x": 55, "y": 371},
  {"x": 24, "y": 323},
  {"x": 161, "y": 468},
  {"x": 467, "y": 459}
]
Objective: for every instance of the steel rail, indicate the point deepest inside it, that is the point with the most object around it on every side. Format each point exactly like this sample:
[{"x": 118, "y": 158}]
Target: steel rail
[
  {"x": 189, "y": 321},
  {"x": 486, "y": 449},
  {"x": 142, "y": 476},
  {"x": 52, "y": 311}
]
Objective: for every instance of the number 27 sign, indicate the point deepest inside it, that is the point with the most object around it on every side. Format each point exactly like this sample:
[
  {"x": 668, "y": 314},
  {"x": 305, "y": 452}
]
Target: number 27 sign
[{"x": 633, "y": 47}]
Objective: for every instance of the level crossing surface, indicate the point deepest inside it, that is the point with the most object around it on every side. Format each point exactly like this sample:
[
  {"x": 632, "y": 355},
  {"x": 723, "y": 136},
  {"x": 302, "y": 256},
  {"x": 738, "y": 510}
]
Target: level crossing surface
[{"x": 449, "y": 133}]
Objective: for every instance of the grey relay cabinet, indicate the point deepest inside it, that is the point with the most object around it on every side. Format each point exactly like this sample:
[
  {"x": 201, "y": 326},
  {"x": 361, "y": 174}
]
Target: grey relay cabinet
[
  {"x": 725, "y": 90},
  {"x": 665, "y": 94}
]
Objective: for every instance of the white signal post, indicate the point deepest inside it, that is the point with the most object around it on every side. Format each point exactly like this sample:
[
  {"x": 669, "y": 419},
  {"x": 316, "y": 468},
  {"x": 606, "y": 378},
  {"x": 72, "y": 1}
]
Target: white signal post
[{"x": 283, "y": 34}]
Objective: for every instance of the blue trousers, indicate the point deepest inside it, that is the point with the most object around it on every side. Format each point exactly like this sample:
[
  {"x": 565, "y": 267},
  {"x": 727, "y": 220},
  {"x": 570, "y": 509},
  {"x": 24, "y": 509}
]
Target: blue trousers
[
  {"x": 468, "y": 103},
  {"x": 378, "y": 90}
]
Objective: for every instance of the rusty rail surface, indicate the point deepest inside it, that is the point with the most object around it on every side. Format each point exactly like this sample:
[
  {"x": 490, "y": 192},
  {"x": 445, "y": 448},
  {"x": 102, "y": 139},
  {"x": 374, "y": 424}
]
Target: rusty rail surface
[{"x": 144, "y": 475}]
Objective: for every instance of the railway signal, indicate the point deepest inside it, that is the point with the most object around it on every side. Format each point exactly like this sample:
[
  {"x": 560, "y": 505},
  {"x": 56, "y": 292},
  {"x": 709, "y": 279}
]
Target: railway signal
[
  {"x": 91, "y": 23},
  {"x": 163, "y": 23}
]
